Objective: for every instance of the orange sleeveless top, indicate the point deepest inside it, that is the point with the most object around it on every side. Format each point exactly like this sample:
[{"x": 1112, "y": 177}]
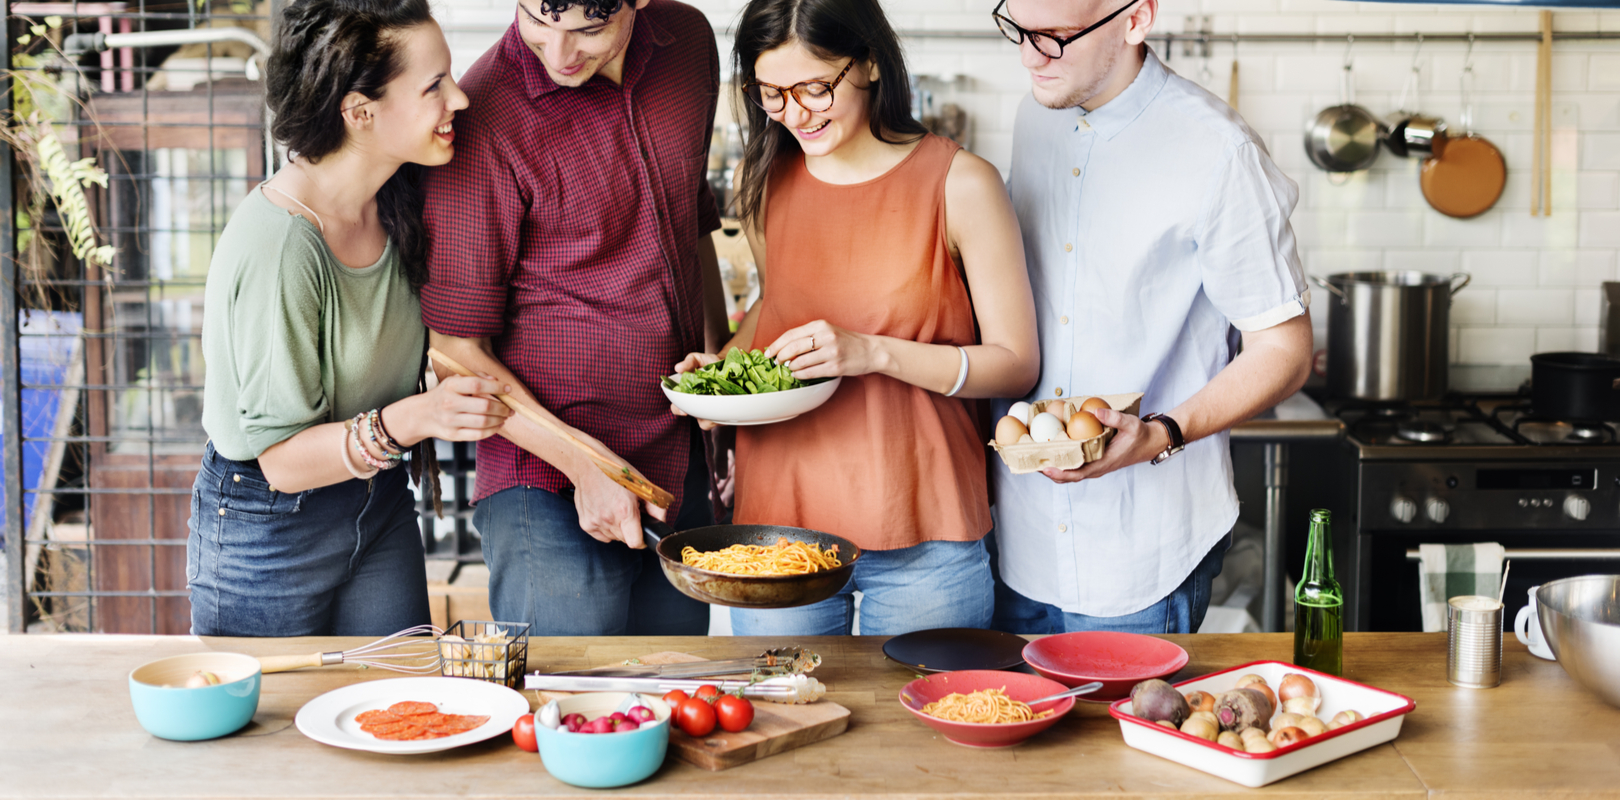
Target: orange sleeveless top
[{"x": 883, "y": 463}]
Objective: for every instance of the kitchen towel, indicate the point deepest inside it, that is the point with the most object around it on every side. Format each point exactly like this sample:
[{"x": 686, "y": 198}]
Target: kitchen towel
[{"x": 1453, "y": 570}]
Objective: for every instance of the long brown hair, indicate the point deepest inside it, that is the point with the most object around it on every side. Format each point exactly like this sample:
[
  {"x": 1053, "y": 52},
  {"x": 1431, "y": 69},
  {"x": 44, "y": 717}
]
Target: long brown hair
[{"x": 831, "y": 29}]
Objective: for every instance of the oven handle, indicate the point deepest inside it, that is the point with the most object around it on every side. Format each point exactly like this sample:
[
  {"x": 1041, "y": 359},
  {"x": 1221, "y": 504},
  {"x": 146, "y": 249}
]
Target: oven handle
[{"x": 1539, "y": 554}]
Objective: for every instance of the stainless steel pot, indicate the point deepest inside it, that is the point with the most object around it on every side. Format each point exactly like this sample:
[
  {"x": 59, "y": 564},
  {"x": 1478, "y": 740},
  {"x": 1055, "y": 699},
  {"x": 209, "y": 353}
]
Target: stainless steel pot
[
  {"x": 1344, "y": 138},
  {"x": 1388, "y": 334}
]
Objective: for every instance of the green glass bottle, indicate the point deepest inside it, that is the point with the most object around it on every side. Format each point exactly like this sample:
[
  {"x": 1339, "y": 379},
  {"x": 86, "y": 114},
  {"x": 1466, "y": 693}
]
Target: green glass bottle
[{"x": 1319, "y": 603}]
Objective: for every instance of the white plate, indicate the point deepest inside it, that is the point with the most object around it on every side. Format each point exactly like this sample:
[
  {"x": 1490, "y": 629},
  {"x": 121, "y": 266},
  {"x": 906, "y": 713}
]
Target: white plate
[
  {"x": 329, "y": 719},
  {"x": 753, "y": 409},
  {"x": 1384, "y": 711}
]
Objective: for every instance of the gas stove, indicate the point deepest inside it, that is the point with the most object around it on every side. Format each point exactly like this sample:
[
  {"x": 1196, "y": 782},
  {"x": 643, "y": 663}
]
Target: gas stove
[{"x": 1470, "y": 427}]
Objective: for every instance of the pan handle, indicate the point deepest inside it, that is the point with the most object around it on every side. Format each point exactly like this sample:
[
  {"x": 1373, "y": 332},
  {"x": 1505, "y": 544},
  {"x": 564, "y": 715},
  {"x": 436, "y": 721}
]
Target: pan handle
[
  {"x": 1466, "y": 278},
  {"x": 654, "y": 530},
  {"x": 1334, "y": 289}
]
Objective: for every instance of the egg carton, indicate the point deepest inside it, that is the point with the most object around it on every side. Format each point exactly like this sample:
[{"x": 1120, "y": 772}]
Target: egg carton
[{"x": 1065, "y": 454}]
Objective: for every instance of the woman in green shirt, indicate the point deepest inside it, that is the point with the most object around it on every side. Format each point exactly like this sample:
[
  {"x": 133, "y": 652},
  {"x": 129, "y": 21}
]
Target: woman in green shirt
[{"x": 300, "y": 522}]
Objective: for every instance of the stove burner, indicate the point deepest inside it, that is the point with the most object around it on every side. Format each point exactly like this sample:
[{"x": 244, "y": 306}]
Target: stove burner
[
  {"x": 1426, "y": 431},
  {"x": 1588, "y": 432}
]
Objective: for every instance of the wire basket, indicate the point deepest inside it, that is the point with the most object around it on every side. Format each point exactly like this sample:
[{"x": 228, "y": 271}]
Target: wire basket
[{"x": 488, "y": 651}]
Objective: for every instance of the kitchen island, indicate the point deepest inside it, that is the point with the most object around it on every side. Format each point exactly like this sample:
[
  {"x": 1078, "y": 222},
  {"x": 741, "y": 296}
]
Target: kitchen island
[{"x": 69, "y": 731}]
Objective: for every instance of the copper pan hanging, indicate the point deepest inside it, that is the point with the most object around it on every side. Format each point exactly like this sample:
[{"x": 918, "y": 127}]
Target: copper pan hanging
[{"x": 1467, "y": 177}]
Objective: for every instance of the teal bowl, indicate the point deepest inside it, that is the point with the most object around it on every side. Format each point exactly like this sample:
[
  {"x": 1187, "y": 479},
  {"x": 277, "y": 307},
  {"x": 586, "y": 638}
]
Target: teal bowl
[
  {"x": 604, "y": 760},
  {"x": 168, "y": 710}
]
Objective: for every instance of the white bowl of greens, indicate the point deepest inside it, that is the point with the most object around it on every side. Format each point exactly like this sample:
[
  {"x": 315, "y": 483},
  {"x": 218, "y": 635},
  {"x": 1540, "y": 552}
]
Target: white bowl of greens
[{"x": 746, "y": 388}]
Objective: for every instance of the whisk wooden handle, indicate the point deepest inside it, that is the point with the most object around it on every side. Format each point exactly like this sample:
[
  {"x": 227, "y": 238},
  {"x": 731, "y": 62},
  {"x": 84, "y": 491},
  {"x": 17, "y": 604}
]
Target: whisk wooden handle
[
  {"x": 639, "y": 486},
  {"x": 269, "y": 664}
]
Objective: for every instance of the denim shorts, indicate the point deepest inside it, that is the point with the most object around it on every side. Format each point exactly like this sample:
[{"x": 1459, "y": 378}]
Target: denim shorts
[
  {"x": 929, "y": 585},
  {"x": 341, "y": 560}
]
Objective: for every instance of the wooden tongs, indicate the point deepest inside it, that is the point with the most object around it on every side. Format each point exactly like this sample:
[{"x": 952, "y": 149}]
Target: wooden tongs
[{"x": 624, "y": 476}]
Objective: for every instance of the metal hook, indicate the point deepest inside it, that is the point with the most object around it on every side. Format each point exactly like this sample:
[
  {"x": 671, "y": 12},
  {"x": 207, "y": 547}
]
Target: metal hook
[
  {"x": 1468, "y": 55},
  {"x": 1349, "y": 42}
]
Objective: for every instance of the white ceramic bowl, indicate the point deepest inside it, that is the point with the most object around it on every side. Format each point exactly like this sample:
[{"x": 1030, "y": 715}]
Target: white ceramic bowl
[
  {"x": 753, "y": 409},
  {"x": 1383, "y": 712}
]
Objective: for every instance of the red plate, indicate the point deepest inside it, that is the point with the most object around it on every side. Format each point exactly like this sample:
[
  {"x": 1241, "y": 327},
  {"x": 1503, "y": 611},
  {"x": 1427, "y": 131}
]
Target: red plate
[
  {"x": 1119, "y": 660},
  {"x": 1019, "y": 685}
]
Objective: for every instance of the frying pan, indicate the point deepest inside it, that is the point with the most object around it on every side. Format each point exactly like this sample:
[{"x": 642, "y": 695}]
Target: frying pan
[
  {"x": 1344, "y": 138},
  {"x": 1467, "y": 177},
  {"x": 748, "y": 591}
]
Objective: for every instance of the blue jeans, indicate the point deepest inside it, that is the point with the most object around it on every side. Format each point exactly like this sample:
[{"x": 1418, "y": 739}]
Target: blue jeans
[
  {"x": 930, "y": 585},
  {"x": 341, "y": 560},
  {"x": 546, "y": 571},
  {"x": 1182, "y": 611}
]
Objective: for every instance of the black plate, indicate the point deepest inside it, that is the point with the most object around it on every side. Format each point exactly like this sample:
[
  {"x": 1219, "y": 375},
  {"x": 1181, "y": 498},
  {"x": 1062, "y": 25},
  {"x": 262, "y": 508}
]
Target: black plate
[{"x": 951, "y": 649}]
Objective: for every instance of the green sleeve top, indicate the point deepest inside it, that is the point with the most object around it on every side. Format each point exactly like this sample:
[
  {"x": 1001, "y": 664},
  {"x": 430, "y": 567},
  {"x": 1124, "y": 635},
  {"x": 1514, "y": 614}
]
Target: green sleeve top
[{"x": 293, "y": 338}]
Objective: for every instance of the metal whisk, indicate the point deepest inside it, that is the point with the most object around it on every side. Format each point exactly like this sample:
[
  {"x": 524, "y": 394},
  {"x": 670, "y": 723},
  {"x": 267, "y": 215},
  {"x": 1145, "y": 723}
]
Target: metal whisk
[{"x": 398, "y": 652}]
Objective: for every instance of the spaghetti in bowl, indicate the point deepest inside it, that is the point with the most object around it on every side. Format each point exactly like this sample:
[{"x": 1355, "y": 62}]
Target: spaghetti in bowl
[{"x": 985, "y": 694}]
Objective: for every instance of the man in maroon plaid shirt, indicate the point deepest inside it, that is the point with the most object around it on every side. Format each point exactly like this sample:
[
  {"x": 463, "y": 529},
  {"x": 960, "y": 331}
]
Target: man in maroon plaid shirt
[{"x": 571, "y": 259}]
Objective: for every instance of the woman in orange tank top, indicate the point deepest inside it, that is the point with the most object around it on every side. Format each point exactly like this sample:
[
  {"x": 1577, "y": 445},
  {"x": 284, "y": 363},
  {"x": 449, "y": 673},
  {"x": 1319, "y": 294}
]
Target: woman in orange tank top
[{"x": 890, "y": 257}]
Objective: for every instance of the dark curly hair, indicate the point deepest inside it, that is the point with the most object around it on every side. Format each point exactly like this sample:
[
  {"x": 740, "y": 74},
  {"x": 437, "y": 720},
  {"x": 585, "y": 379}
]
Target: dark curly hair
[
  {"x": 325, "y": 49},
  {"x": 594, "y": 9},
  {"x": 831, "y": 29}
]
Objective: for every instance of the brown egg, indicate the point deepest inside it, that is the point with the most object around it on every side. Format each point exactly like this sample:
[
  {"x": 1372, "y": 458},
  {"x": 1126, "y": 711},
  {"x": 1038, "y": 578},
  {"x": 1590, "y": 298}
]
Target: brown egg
[
  {"x": 1084, "y": 426},
  {"x": 1008, "y": 430},
  {"x": 1093, "y": 403}
]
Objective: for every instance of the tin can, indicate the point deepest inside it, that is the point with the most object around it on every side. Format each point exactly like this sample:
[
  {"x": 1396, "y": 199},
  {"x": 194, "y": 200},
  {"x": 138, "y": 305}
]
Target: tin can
[{"x": 1474, "y": 641}]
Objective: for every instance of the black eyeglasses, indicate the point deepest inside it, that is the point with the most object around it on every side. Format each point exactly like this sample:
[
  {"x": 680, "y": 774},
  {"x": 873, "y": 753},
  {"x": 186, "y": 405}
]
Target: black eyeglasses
[
  {"x": 1045, "y": 43},
  {"x": 813, "y": 96}
]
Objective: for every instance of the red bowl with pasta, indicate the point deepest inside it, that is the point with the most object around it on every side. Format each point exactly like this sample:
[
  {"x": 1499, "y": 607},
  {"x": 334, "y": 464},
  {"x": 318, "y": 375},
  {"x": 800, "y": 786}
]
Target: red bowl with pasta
[{"x": 1018, "y": 686}]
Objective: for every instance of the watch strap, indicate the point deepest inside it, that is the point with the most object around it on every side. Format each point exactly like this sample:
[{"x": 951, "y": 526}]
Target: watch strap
[{"x": 1177, "y": 442}]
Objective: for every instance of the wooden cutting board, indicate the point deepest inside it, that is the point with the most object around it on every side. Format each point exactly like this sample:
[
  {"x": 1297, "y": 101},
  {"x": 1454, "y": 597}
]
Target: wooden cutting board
[{"x": 777, "y": 728}]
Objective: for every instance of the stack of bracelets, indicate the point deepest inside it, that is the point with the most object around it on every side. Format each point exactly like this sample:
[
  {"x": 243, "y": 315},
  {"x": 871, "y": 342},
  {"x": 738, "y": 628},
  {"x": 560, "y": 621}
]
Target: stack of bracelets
[{"x": 371, "y": 421}]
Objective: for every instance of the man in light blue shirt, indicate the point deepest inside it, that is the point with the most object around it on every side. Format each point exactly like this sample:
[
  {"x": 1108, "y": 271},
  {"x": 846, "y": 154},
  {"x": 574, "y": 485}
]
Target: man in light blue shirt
[{"x": 1156, "y": 228}]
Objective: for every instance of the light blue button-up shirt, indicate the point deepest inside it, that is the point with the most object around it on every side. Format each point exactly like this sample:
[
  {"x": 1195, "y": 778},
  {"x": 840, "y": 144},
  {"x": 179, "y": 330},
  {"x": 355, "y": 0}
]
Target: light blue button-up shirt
[{"x": 1156, "y": 227}]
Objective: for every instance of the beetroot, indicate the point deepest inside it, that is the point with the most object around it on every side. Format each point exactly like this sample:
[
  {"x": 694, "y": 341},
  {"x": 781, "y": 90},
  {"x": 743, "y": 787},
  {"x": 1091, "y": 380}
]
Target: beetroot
[
  {"x": 1157, "y": 701},
  {"x": 1243, "y": 708}
]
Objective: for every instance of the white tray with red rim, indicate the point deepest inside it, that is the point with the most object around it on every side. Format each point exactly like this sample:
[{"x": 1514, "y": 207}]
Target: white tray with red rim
[{"x": 1383, "y": 711}]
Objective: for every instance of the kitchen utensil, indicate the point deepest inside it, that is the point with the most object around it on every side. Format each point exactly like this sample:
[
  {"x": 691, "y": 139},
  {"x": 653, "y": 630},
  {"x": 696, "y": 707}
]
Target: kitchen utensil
[
  {"x": 1467, "y": 177},
  {"x": 748, "y": 591},
  {"x": 1345, "y": 137},
  {"x": 169, "y": 710},
  {"x": 1575, "y": 386},
  {"x": 1019, "y": 686},
  {"x": 1384, "y": 712},
  {"x": 329, "y": 718},
  {"x": 753, "y": 409},
  {"x": 1581, "y": 619},
  {"x": 1388, "y": 334},
  {"x": 490, "y": 651},
  {"x": 1119, "y": 660},
  {"x": 1527, "y": 627},
  {"x": 622, "y": 475},
  {"x": 1412, "y": 133},
  {"x": 956, "y": 649},
  {"x": 1085, "y": 688},
  {"x": 772, "y": 689},
  {"x": 400, "y": 652},
  {"x": 605, "y": 760},
  {"x": 1541, "y": 175},
  {"x": 777, "y": 661},
  {"x": 1474, "y": 641}
]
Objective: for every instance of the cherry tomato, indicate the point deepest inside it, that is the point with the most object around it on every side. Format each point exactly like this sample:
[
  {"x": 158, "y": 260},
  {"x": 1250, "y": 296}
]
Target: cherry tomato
[
  {"x": 523, "y": 733},
  {"x": 708, "y": 692},
  {"x": 674, "y": 698},
  {"x": 735, "y": 713},
  {"x": 696, "y": 717}
]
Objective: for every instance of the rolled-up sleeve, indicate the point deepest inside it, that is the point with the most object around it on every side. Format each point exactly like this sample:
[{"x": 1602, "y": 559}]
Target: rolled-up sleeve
[
  {"x": 474, "y": 211},
  {"x": 276, "y": 320},
  {"x": 1246, "y": 248}
]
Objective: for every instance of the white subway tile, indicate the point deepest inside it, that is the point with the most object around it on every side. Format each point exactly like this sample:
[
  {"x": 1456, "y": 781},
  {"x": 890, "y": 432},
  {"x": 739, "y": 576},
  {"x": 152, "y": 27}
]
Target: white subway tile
[
  {"x": 995, "y": 148},
  {"x": 958, "y": 22},
  {"x": 1432, "y": 23},
  {"x": 1588, "y": 306},
  {"x": 1240, "y": 6},
  {"x": 1600, "y": 229},
  {"x": 1342, "y": 24},
  {"x": 1576, "y": 268},
  {"x": 1599, "y": 112},
  {"x": 1508, "y": 268},
  {"x": 1560, "y": 340},
  {"x": 1440, "y": 230},
  {"x": 1603, "y": 73},
  {"x": 1598, "y": 191},
  {"x": 1325, "y": 262},
  {"x": 1523, "y": 230},
  {"x": 1423, "y": 260},
  {"x": 1535, "y": 306},
  {"x": 1497, "y": 345},
  {"x": 1321, "y": 228},
  {"x": 1600, "y": 151},
  {"x": 1386, "y": 229},
  {"x": 1358, "y": 191},
  {"x": 1274, "y": 23},
  {"x": 1569, "y": 72},
  {"x": 1309, "y": 73},
  {"x": 1474, "y": 305}
]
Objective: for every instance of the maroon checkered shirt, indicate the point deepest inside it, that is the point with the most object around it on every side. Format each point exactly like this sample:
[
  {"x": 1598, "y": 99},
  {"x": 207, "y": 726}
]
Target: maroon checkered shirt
[{"x": 566, "y": 228}]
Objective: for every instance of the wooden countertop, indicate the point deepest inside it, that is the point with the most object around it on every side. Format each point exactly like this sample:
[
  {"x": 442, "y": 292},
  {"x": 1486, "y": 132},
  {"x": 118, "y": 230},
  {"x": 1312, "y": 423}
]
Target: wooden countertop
[{"x": 69, "y": 731}]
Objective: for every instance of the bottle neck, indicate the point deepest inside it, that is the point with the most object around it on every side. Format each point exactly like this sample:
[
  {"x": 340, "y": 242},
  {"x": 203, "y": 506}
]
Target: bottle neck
[{"x": 1318, "y": 554}]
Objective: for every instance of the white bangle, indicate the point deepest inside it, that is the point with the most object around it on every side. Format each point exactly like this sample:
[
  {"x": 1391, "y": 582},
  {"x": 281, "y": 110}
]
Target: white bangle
[{"x": 961, "y": 374}]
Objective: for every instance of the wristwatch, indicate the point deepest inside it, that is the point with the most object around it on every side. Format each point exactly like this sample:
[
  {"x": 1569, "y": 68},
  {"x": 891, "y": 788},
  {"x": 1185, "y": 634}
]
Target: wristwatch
[{"x": 1176, "y": 440}]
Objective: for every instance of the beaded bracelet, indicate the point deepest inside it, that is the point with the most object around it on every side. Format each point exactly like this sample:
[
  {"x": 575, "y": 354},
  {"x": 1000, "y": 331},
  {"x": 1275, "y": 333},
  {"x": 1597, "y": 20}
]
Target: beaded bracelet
[
  {"x": 373, "y": 423},
  {"x": 343, "y": 453},
  {"x": 360, "y": 447},
  {"x": 393, "y": 444}
]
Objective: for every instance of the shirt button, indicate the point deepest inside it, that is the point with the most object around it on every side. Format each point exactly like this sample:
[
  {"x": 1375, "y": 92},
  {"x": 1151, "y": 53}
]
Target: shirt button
[
  {"x": 1058, "y": 391},
  {"x": 1063, "y": 528},
  {"x": 1076, "y": 172},
  {"x": 1063, "y": 320},
  {"x": 1068, "y": 247},
  {"x": 222, "y": 512}
]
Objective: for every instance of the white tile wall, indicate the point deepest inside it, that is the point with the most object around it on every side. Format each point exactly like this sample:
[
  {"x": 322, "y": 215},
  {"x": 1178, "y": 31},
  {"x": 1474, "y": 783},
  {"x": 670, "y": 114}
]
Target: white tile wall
[{"x": 1534, "y": 280}]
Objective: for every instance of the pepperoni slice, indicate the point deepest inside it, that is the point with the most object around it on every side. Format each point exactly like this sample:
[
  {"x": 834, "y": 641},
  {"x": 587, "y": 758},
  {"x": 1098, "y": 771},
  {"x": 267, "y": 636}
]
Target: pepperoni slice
[
  {"x": 411, "y": 708},
  {"x": 375, "y": 715}
]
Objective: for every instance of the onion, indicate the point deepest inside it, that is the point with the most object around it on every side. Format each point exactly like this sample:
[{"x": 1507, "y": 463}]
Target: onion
[
  {"x": 1344, "y": 718},
  {"x": 1296, "y": 685},
  {"x": 1282, "y": 737}
]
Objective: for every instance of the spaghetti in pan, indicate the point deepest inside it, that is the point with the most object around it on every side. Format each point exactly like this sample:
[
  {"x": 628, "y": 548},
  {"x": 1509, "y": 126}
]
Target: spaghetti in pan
[{"x": 783, "y": 558}]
